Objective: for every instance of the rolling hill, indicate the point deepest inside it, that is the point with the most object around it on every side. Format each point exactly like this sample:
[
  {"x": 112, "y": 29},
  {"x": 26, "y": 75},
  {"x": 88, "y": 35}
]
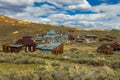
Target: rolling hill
[{"x": 12, "y": 29}]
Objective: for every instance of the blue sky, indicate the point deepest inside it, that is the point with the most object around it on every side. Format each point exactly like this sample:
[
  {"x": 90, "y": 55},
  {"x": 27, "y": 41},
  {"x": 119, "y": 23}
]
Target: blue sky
[{"x": 75, "y": 13}]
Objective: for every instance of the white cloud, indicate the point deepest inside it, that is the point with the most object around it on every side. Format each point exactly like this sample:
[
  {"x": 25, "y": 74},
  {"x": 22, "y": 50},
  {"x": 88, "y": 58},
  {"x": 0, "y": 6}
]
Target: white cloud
[
  {"x": 17, "y": 2},
  {"x": 105, "y": 17},
  {"x": 70, "y": 4},
  {"x": 79, "y": 6}
]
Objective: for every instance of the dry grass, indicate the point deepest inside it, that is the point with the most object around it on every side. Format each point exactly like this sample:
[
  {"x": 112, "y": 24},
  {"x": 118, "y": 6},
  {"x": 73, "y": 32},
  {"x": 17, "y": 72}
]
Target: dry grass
[{"x": 79, "y": 61}]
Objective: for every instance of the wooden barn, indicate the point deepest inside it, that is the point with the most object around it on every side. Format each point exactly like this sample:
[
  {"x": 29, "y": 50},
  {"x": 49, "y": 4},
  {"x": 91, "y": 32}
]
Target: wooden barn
[
  {"x": 53, "y": 47},
  {"x": 91, "y": 38},
  {"x": 12, "y": 48},
  {"x": 109, "y": 48},
  {"x": 28, "y": 43}
]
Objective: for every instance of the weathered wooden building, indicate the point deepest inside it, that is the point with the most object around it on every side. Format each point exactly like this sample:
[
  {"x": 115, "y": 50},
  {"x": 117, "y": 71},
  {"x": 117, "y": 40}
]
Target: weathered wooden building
[
  {"x": 109, "y": 48},
  {"x": 91, "y": 38},
  {"x": 105, "y": 39},
  {"x": 12, "y": 48},
  {"x": 71, "y": 37},
  {"x": 6, "y": 47},
  {"x": 111, "y": 37},
  {"x": 53, "y": 36},
  {"x": 27, "y": 42},
  {"x": 80, "y": 39},
  {"x": 105, "y": 49},
  {"x": 53, "y": 47},
  {"x": 16, "y": 48}
]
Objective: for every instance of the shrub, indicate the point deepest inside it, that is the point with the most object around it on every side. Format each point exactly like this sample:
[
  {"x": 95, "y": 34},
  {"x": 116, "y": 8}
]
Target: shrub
[
  {"x": 114, "y": 65},
  {"x": 55, "y": 63}
]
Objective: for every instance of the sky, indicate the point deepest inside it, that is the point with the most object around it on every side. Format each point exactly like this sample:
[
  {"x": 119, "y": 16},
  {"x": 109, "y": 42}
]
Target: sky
[{"x": 97, "y": 14}]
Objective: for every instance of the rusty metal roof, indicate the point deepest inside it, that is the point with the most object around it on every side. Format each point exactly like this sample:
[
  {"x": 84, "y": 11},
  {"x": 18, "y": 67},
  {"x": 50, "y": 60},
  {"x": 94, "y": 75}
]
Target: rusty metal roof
[{"x": 27, "y": 42}]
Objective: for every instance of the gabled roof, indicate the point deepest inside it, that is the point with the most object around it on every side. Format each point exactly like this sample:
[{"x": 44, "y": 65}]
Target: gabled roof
[
  {"x": 51, "y": 32},
  {"x": 38, "y": 38},
  {"x": 109, "y": 46},
  {"x": 27, "y": 42},
  {"x": 24, "y": 37},
  {"x": 104, "y": 46}
]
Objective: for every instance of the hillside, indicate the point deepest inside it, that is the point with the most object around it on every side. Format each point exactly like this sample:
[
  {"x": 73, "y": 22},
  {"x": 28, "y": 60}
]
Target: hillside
[
  {"x": 12, "y": 29},
  {"x": 78, "y": 62}
]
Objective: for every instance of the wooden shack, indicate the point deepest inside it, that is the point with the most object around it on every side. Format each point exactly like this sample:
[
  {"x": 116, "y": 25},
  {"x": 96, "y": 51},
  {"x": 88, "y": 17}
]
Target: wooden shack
[
  {"x": 115, "y": 46},
  {"x": 111, "y": 37},
  {"x": 80, "y": 39},
  {"x": 91, "y": 38},
  {"x": 105, "y": 49},
  {"x": 28, "y": 43},
  {"x": 6, "y": 47},
  {"x": 11, "y": 48},
  {"x": 105, "y": 39},
  {"x": 16, "y": 48},
  {"x": 53, "y": 47},
  {"x": 109, "y": 48},
  {"x": 71, "y": 37}
]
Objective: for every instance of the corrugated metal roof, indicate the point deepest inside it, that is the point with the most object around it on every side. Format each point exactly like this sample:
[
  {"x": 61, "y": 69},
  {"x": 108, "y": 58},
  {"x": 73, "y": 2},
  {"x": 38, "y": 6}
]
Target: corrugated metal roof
[
  {"x": 51, "y": 32},
  {"x": 16, "y": 46},
  {"x": 38, "y": 38},
  {"x": 91, "y": 36},
  {"x": 52, "y": 35},
  {"x": 48, "y": 46}
]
